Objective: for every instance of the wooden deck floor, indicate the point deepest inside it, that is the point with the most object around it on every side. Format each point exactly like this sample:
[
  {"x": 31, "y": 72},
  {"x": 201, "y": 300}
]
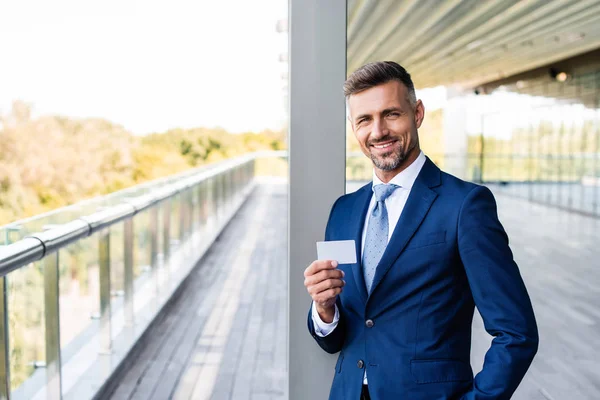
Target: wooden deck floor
[{"x": 225, "y": 336}]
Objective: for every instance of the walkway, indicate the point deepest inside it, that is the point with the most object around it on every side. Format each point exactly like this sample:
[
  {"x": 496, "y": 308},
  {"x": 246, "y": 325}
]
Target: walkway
[{"x": 225, "y": 335}]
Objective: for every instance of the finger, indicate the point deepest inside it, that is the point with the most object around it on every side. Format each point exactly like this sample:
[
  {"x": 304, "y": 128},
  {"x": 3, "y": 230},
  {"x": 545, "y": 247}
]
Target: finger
[
  {"x": 327, "y": 295},
  {"x": 326, "y": 285},
  {"x": 324, "y": 275},
  {"x": 319, "y": 265}
]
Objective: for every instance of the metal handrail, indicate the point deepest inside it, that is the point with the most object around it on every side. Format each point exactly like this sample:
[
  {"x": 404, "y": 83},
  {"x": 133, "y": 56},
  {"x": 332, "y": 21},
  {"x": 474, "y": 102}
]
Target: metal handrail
[
  {"x": 38, "y": 245},
  {"x": 150, "y": 185}
]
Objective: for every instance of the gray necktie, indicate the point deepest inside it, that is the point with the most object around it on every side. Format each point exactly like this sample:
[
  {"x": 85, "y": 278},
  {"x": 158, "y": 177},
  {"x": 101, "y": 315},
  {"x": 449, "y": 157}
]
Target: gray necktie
[{"x": 377, "y": 233}]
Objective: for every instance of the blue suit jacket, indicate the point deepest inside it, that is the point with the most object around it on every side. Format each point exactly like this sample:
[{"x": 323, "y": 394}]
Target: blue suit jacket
[{"x": 447, "y": 254}]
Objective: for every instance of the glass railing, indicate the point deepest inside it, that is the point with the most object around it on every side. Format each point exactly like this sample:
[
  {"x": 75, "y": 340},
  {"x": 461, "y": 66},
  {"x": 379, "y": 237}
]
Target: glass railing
[
  {"x": 81, "y": 284},
  {"x": 17, "y": 230}
]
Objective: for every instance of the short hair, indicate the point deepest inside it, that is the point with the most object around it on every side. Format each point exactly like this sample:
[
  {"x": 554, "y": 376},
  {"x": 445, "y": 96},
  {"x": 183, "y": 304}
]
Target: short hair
[{"x": 378, "y": 73}]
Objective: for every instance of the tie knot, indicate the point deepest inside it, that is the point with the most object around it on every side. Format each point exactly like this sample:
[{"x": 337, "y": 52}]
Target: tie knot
[{"x": 382, "y": 191}]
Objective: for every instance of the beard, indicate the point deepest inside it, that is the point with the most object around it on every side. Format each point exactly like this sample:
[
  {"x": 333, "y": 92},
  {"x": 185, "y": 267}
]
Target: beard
[
  {"x": 393, "y": 159},
  {"x": 389, "y": 161}
]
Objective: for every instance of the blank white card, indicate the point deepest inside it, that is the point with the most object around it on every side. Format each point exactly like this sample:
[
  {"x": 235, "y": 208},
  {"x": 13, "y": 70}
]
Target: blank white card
[{"x": 342, "y": 251}]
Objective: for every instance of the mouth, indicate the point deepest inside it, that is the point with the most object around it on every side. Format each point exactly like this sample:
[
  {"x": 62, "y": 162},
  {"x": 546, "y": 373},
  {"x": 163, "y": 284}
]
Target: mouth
[{"x": 384, "y": 146}]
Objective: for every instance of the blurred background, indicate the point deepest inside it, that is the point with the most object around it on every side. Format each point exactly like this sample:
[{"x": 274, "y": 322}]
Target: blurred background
[{"x": 179, "y": 112}]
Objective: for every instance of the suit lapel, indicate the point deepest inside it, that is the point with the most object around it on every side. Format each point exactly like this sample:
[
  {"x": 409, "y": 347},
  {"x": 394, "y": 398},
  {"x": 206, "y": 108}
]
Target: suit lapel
[
  {"x": 417, "y": 206},
  {"x": 361, "y": 207}
]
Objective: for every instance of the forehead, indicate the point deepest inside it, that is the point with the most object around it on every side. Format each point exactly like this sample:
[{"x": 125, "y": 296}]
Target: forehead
[{"x": 378, "y": 98}]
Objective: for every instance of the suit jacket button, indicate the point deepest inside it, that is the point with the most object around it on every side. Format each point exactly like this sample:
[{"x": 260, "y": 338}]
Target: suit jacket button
[
  {"x": 369, "y": 323},
  {"x": 360, "y": 364}
]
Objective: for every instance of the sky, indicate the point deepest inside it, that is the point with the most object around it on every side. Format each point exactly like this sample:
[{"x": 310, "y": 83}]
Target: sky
[{"x": 148, "y": 65}]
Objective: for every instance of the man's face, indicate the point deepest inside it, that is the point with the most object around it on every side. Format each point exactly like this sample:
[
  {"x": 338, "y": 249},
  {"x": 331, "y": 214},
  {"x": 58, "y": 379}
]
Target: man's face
[{"x": 385, "y": 125}]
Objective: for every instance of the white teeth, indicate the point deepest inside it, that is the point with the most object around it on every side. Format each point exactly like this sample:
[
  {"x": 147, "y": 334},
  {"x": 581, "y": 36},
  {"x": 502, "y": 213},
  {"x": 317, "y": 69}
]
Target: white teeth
[{"x": 382, "y": 146}]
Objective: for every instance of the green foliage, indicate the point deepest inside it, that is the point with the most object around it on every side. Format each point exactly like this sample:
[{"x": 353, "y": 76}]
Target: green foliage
[{"x": 52, "y": 161}]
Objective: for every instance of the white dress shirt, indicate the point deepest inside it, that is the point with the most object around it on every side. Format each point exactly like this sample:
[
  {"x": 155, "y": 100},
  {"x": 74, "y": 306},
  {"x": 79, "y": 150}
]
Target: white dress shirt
[{"x": 394, "y": 204}]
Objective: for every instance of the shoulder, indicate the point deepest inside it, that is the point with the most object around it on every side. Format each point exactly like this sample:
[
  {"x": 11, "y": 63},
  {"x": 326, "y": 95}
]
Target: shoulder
[
  {"x": 473, "y": 202},
  {"x": 460, "y": 190}
]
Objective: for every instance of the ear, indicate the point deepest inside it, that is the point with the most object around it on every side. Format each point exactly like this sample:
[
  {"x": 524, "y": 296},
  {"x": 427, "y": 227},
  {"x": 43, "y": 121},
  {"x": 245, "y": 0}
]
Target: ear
[{"x": 419, "y": 113}]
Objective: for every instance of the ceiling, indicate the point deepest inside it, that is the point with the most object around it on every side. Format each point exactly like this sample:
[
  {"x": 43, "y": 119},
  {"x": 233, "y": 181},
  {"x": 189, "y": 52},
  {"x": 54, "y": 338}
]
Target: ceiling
[{"x": 470, "y": 42}]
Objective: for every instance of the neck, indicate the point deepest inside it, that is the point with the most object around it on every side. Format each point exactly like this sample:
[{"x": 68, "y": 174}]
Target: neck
[{"x": 386, "y": 176}]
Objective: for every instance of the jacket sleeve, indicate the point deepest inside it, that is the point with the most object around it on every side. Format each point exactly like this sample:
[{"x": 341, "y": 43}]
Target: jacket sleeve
[
  {"x": 333, "y": 342},
  {"x": 500, "y": 296}
]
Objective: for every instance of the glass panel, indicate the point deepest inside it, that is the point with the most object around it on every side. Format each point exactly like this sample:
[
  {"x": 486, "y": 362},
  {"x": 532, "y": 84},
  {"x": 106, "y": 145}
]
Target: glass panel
[
  {"x": 141, "y": 253},
  {"x": 26, "y": 330},
  {"x": 175, "y": 221},
  {"x": 117, "y": 277},
  {"x": 557, "y": 154},
  {"x": 79, "y": 308},
  {"x": 143, "y": 284}
]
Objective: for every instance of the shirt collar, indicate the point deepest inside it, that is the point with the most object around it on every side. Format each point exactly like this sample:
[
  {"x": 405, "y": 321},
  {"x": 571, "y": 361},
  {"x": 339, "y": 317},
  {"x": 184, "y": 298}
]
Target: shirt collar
[{"x": 408, "y": 176}]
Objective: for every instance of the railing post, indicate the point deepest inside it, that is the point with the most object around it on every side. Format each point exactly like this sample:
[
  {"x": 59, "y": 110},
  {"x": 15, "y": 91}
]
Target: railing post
[
  {"x": 190, "y": 220},
  {"x": 166, "y": 231},
  {"x": 246, "y": 174},
  {"x": 128, "y": 264},
  {"x": 221, "y": 204},
  {"x": 154, "y": 244},
  {"x": 242, "y": 174},
  {"x": 4, "y": 348},
  {"x": 236, "y": 183},
  {"x": 105, "y": 306},
  {"x": 194, "y": 214},
  {"x": 52, "y": 321},
  {"x": 188, "y": 213},
  {"x": 182, "y": 217},
  {"x": 229, "y": 186},
  {"x": 230, "y": 177},
  {"x": 222, "y": 201},
  {"x": 215, "y": 198},
  {"x": 210, "y": 199},
  {"x": 202, "y": 205},
  {"x": 242, "y": 182}
]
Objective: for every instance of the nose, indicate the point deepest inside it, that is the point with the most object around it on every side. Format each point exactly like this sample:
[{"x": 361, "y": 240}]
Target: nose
[{"x": 379, "y": 129}]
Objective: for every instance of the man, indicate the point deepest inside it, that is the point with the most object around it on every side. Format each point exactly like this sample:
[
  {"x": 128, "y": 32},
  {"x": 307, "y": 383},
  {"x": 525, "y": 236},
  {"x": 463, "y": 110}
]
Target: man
[{"x": 430, "y": 247}]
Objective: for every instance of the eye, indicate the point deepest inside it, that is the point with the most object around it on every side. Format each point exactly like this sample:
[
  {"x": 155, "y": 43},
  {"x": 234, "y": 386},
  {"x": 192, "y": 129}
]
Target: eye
[{"x": 394, "y": 114}]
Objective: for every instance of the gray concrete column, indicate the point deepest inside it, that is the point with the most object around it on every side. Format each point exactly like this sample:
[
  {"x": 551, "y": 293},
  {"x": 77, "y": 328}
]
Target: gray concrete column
[{"x": 317, "y": 157}]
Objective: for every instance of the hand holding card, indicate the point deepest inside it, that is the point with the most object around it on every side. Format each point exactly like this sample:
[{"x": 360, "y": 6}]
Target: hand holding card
[{"x": 323, "y": 280}]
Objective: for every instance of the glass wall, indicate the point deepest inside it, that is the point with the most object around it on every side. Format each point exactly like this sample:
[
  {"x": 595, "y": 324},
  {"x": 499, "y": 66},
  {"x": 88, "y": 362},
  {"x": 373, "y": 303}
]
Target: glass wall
[{"x": 542, "y": 142}]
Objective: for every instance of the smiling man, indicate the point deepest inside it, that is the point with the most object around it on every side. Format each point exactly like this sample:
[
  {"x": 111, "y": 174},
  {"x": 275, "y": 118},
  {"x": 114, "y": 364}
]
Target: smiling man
[{"x": 430, "y": 248}]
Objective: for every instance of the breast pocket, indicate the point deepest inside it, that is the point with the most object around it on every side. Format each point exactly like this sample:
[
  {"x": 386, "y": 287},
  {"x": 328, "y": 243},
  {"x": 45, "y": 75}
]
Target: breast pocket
[{"x": 427, "y": 239}]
